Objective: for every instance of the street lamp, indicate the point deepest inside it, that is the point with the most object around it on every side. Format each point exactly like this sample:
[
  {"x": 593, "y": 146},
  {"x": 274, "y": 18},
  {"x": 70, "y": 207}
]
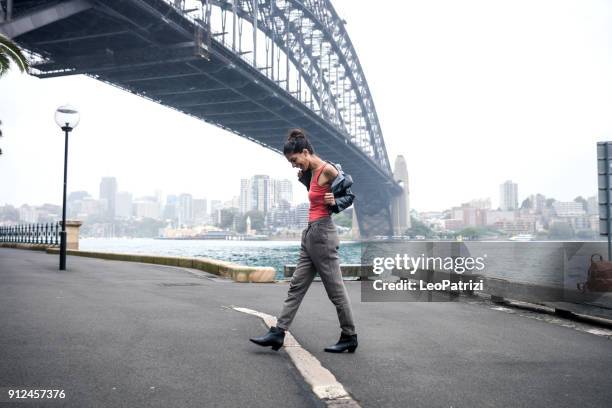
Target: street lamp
[{"x": 67, "y": 118}]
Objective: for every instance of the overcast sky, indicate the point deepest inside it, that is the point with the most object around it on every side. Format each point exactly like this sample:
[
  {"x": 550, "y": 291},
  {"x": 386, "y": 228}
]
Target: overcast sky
[{"x": 472, "y": 93}]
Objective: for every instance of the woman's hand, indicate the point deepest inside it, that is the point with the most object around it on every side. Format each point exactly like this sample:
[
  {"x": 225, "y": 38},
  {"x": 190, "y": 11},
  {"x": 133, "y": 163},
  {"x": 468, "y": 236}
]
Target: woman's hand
[{"x": 329, "y": 199}]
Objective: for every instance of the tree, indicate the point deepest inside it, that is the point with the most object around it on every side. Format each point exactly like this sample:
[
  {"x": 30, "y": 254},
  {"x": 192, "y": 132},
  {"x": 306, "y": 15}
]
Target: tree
[
  {"x": 478, "y": 232},
  {"x": 343, "y": 219},
  {"x": 526, "y": 204},
  {"x": 469, "y": 232},
  {"x": 10, "y": 52},
  {"x": 581, "y": 200},
  {"x": 561, "y": 230},
  {"x": 257, "y": 220},
  {"x": 418, "y": 228},
  {"x": 227, "y": 217}
]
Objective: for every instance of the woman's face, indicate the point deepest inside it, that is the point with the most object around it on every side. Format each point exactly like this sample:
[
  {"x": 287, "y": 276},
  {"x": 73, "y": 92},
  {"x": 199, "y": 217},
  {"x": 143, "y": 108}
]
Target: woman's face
[{"x": 299, "y": 160}]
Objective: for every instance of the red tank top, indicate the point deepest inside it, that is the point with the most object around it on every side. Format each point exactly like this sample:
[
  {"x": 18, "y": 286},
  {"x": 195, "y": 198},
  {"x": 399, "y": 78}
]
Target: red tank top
[{"x": 316, "y": 193}]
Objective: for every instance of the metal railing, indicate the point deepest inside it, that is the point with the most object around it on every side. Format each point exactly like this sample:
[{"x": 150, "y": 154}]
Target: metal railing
[{"x": 46, "y": 233}]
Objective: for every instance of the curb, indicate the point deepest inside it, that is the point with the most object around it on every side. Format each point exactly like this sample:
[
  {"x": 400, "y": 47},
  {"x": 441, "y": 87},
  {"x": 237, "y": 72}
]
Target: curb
[{"x": 238, "y": 273}]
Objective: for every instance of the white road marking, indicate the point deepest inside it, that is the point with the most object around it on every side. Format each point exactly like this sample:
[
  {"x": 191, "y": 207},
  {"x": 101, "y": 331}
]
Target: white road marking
[
  {"x": 502, "y": 309},
  {"x": 323, "y": 382},
  {"x": 600, "y": 332}
]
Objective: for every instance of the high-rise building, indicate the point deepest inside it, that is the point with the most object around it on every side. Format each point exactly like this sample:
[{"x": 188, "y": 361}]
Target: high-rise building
[
  {"x": 235, "y": 202},
  {"x": 257, "y": 193},
  {"x": 171, "y": 207},
  {"x": 538, "y": 202},
  {"x": 508, "y": 196},
  {"x": 245, "y": 188},
  {"x": 283, "y": 190},
  {"x": 200, "y": 210},
  {"x": 592, "y": 206},
  {"x": 471, "y": 216},
  {"x": 480, "y": 203},
  {"x": 215, "y": 205},
  {"x": 215, "y": 211},
  {"x": 77, "y": 195},
  {"x": 73, "y": 203},
  {"x": 123, "y": 205},
  {"x": 108, "y": 191},
  {"x": 301, "y": 214},
  {"x": 92, "y": 207},
  {"x": 493, "y": 216},
  {"x": 281, "y": 215},
  {"x": 185, "y": 209},
  {"x": 147, "y": 208},
  {"x": 568, "y": 209},
  {"x": 263, "y": 193}
]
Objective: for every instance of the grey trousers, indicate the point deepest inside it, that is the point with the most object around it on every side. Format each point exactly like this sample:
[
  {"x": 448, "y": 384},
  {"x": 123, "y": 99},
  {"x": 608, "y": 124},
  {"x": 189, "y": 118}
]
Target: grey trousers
[{"x": 319, "y": 253}]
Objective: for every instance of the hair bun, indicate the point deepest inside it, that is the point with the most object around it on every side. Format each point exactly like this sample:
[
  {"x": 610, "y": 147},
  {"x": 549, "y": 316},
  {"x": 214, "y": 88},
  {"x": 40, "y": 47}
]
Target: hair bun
[
  {"x": 297, "y": 142},
  {"x": 296, "y": 134}
]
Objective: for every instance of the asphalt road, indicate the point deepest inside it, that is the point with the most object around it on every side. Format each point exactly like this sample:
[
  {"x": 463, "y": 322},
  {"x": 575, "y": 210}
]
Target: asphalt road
[{"x": 124, "y": 334}]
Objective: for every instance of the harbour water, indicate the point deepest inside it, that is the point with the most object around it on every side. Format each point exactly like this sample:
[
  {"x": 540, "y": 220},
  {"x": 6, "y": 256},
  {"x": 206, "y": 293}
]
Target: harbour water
[{"x": 250, "y": 253}]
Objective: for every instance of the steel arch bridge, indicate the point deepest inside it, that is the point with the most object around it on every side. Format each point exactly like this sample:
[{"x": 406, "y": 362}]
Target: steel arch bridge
[{"x": 253, "y": 67}]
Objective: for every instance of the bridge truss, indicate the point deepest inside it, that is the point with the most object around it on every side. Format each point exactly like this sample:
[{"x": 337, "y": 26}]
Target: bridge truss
[{"x": 254, "y": 67}]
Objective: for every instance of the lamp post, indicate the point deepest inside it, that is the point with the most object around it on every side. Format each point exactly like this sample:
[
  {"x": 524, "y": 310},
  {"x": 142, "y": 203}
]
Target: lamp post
[{"x": 67, "y": 118}]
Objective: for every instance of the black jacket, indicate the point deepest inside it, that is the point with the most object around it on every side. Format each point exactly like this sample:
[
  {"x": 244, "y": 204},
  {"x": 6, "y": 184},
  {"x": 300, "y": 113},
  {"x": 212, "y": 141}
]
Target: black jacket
[{"x": 340, "y": 187}]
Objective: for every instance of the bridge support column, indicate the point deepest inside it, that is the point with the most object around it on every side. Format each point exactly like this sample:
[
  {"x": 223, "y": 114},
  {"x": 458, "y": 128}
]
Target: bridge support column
[
  {"x": 9, "y": 10},
  {"x": 400, "y": 204},
  {"x": 373, "y": 209}
]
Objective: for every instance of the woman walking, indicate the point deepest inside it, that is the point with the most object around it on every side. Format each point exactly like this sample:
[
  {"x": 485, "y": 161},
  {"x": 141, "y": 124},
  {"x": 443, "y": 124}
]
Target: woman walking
[{"x": 328, "y": 191}]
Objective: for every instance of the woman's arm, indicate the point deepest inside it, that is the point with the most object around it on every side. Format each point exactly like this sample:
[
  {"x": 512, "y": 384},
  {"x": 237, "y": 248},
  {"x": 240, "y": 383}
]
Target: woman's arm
[{"x": 328, "y": 174}]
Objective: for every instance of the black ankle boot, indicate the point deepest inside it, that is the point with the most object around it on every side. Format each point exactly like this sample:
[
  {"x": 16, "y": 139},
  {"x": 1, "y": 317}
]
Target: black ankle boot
[
  {"x": 274, "y": 338},
  {"x": 346, "y": 342}
]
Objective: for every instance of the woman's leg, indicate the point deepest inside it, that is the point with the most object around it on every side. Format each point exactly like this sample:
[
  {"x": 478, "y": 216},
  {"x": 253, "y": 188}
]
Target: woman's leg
[
  {"x": 324, "y": 252},
  {"x": 300, "y": 282}
]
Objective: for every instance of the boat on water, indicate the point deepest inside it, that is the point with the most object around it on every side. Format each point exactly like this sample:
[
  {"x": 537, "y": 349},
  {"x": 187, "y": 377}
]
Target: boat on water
[{"x": 522, "y": 237}]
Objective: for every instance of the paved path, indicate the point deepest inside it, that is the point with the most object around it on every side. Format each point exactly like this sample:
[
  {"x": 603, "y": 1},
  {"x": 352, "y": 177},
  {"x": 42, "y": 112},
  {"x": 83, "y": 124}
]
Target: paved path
[{"x": 133, "y": 335}]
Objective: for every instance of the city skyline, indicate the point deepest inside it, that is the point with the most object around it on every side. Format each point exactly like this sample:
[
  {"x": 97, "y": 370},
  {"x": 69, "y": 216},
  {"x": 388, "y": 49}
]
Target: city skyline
[
  {"x": 268, "y": 200},
  {"x": 158, "y": 195},
  {"x": 157, "y": 191}
]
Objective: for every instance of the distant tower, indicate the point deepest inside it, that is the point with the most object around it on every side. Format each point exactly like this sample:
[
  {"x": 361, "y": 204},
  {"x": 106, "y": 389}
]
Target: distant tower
[
  {"x": 248, "y": 225},
  {"x": 108, "y": 191},
  {"x": 508, "y": 196},
  {"x": 185, "y": 209},
  {"x": 400, "y": 206}
]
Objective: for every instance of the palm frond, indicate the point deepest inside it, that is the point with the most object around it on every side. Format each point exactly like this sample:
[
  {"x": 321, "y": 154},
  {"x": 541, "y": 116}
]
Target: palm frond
[
  {"x": 4, "y": 64},
  {"x": 11, "y": 52}
]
